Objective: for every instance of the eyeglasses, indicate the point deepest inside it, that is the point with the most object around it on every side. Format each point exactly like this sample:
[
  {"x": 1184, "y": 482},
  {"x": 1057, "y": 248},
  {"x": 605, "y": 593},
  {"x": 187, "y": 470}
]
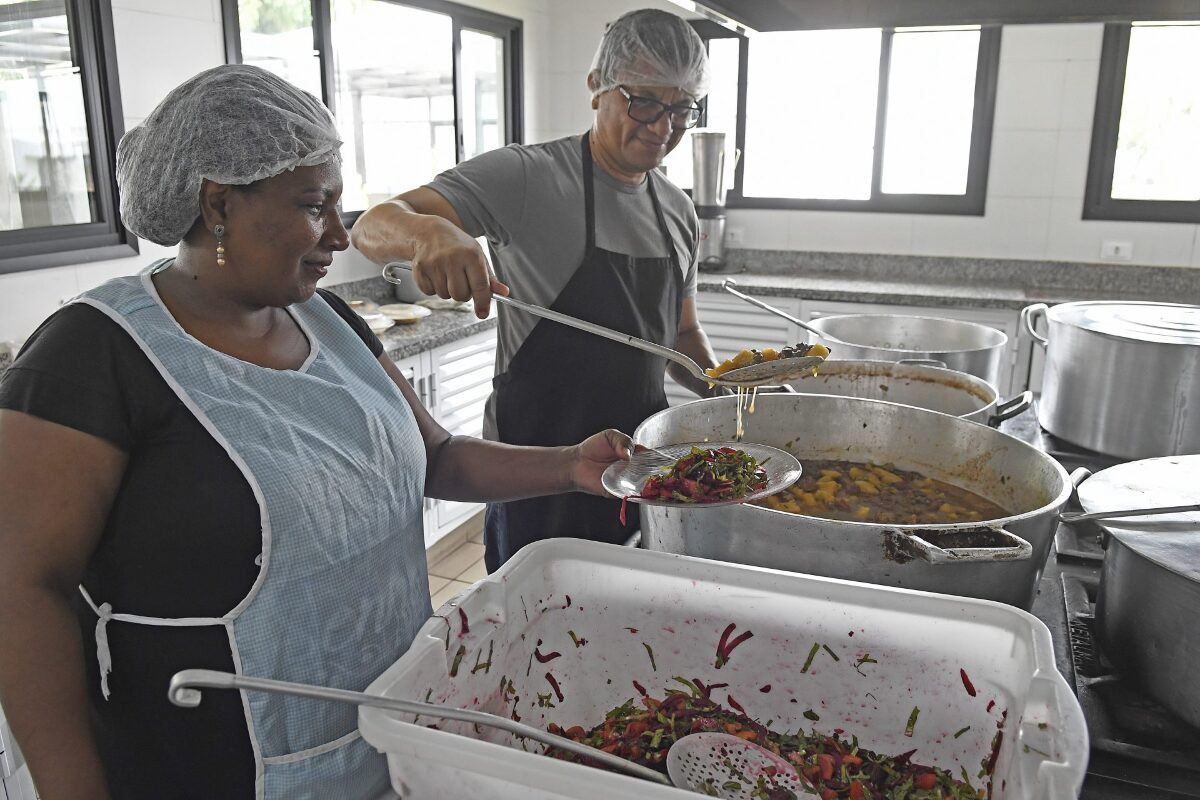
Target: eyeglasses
[{"x": 648, "y": 111}]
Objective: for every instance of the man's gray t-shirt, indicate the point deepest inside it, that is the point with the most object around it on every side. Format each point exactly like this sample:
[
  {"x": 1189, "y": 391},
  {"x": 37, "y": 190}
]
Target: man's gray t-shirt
[{"x": 527, "y": 200}]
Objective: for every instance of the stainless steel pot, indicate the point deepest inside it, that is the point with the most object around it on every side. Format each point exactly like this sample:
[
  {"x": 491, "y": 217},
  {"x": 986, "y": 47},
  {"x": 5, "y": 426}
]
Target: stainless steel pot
[
  {"x": 1121, "y": 378},
  {"x": 997, "y": 466},
  {"x": 934, "y": 388},
  {"x": 963, "y": 346},
  {"x": 1150, "y": 584}
]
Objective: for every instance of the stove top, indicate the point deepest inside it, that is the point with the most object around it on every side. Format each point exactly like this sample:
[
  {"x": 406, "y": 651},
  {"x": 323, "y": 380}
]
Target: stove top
[{"x": 1138, "y": 748}]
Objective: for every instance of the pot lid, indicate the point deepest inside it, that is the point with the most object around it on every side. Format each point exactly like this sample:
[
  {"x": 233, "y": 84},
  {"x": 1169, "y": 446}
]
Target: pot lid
[
  {"x": 1170, "y": 540},
  {"x": 1170, "y": 323}
]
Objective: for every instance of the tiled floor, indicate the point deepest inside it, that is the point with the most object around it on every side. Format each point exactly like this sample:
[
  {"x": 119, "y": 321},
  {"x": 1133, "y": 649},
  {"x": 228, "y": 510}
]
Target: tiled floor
[{"x": 457, "y": 570}]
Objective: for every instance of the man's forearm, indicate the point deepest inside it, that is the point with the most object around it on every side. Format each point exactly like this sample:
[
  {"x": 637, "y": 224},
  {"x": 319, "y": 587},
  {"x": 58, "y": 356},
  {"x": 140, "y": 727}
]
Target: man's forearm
[
  {"x": 694, "y": 344},
  {"x": 388, "y": 232},
  {"x": 42, "y": 689}
]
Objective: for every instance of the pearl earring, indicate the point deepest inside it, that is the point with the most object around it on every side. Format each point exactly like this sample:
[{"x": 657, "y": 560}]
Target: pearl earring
[{"x": 219, "y": 232}]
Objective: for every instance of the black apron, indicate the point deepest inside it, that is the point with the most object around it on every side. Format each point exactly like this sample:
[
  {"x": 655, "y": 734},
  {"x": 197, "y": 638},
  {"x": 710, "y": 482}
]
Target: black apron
[{"x": 564, "y": 385}]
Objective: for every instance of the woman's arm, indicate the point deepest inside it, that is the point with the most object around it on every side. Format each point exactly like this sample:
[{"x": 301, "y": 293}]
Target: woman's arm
[
  {"x": 465, "y": 468},
  {"x": 56, "y": 487}
]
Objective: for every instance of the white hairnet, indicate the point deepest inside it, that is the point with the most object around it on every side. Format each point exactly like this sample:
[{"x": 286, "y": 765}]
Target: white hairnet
[
  {"x": 233, "y": 124},
  {"x": 651, "y": 48}
]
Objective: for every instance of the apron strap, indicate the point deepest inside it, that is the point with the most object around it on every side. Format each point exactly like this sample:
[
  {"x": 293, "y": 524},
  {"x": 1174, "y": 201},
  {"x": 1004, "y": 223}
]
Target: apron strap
[{"x": 589, "y": 199}]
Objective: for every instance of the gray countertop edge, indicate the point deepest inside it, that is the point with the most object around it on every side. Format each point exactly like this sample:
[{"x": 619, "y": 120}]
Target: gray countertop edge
[{"x": 399, "y": 342}]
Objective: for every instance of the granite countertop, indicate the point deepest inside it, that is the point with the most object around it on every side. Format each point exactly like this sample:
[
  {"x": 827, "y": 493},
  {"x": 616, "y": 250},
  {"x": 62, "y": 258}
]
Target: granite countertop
[
  {"x": 439, "y": 328},
  {"x": 948, "y": 281}
]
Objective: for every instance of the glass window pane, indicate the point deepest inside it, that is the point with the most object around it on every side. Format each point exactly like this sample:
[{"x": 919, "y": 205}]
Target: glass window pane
[
  {"x": 277, "y": 35},
  {"x": 810, "y": 114},
  {"x": 395, "y": 100},
  {"x": 1160, "y": 116},
  {"x": 482, "y": 92},
  {"x": 722, "y": 114},
  {"x": 46, "y": 173},
  {"x": 931, "y": 102}
]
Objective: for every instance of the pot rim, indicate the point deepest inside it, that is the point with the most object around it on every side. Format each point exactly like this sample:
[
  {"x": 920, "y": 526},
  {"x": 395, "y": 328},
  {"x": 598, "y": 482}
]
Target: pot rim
[
  {"x": 973, "y": 385},
  {"x": 1055, "y": 313},
  {"x": 816, "y": 323}
]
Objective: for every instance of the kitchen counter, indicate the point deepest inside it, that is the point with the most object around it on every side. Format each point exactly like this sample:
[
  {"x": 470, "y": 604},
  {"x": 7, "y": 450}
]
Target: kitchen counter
[{"x": 947, "y": 281}]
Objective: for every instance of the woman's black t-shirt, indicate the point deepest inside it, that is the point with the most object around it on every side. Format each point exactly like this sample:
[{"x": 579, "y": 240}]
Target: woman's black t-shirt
[{"x": 181, "y": 540}]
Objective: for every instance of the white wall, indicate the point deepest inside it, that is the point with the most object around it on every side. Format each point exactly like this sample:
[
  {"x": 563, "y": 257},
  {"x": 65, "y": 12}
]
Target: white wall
[{"x": 1046, "y": 94}]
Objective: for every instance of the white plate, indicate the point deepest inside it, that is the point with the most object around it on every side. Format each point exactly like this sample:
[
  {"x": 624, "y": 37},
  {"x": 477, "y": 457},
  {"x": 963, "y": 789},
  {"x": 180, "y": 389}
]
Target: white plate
[
  {"x": 625, "y": 479},
  {"x": 404, "y": 313},
  {"x": 380, "y": 325}
]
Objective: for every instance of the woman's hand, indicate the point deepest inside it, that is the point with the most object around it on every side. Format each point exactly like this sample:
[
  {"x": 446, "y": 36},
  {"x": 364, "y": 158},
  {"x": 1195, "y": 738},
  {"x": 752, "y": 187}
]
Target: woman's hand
[{"x": 592, "y": 456}]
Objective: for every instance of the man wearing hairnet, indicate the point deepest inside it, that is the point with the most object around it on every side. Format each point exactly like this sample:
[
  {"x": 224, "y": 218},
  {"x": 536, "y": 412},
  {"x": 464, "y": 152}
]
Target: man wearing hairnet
[{"x": 584, "y": 225}]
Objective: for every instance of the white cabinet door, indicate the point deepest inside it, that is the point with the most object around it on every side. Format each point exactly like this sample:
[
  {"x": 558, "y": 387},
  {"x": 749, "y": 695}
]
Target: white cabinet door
[
  {"x": 416, "y": 370},
  {"x": 460, "y": 382},
  {"x": 733, "y": 325},
  {"x": 998, "y": 318}
]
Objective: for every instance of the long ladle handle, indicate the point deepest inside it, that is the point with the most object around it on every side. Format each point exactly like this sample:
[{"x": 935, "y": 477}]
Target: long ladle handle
[
  {"x": 1079, "y": 516},
  {"x": 186, "y": 684},
  {"x": 728, "y": 285},
  {"x": 583, "y": 325}
]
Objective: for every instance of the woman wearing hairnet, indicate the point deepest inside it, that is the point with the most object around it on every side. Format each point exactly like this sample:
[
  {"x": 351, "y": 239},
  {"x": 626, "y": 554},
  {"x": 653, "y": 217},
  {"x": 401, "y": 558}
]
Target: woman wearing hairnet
[
  {"x": 212, "y": 464},
  {"x": 586, "y": 226}
]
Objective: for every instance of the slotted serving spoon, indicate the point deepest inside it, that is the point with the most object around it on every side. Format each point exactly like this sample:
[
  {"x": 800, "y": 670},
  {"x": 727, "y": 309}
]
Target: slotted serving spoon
[
  {"x": 695, "y": 761},
  {"x": 728, "y": 285},
  {"x": 774, "y": 372}
]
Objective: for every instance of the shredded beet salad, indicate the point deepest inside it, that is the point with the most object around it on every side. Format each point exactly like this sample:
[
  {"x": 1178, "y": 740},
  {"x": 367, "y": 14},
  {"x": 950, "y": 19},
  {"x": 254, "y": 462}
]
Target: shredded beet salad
[
  {"x": 832, "y": 766},
  {"x": 707, "y": 476}
]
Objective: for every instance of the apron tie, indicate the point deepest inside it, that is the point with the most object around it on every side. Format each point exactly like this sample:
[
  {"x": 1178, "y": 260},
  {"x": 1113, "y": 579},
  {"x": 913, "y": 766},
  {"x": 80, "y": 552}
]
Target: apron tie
[{"x": 103, "y": 654}]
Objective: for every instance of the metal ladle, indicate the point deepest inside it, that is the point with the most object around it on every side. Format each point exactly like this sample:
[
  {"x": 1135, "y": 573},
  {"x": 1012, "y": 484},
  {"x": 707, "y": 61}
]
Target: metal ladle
[
  {"x": 773, "y": 372},
  {"x": 1088, "y": 516},
  {"x": 728, "y": 285},
  {"x": 695, "y": 761}
]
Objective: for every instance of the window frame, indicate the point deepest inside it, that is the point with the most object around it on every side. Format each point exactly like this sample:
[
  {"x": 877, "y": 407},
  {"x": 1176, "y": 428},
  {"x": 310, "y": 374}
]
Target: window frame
[
  {"x": 510, "y": 29},
  {"x": 94, "y": 51},
  {"x": 1098, "y": 202},
  {"x": 971, "y": 203}
]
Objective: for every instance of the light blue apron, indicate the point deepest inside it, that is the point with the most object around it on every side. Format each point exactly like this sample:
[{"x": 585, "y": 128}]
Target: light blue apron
[{"x": 334, "y": 457}]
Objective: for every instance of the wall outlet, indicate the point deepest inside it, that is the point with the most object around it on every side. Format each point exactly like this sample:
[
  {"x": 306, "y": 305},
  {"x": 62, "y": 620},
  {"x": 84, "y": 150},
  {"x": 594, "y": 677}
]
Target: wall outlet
[
  {"x": 734, "y": 236},
  {"x": 1116, "y": 250}
]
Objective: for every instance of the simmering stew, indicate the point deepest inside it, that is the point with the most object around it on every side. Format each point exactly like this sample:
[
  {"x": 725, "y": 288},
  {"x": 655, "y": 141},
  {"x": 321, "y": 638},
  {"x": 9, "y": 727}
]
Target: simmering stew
[{"x": 864, "y": 492}]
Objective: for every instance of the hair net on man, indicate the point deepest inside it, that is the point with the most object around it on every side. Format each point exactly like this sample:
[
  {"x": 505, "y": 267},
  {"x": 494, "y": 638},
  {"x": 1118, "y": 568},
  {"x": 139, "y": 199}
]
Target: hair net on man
[
  {"x": 234, "y": 124},
  {"x": 651, "y": 48}
]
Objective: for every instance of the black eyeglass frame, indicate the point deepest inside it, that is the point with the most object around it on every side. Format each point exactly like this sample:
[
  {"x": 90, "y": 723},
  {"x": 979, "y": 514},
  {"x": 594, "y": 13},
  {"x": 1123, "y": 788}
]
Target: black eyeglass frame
[{"x": 663, "y": 108}]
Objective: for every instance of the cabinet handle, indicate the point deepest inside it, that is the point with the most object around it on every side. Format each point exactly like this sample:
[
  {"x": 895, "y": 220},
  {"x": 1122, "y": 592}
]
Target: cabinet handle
[{"x": 433, "y": 391}]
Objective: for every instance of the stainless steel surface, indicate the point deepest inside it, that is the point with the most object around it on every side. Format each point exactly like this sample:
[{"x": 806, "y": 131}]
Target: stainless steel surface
[
  {"x": 718, "y": 765},
  {"x": 729, "y": 285},
  {"x": 933, "y": 388},
  {"x": 185, "y": 691},
  {"x": 962, "y": 346},
  {"x": 1149, "y": 596},
  {"x": 708, "y": 168},
  {"x": 1080, "y": 516},
  {"x": 1002, "y": 469},
  {"x": 767, "y": 373},
  {"x": 1121, "y": 378},
  {"x": 710, "y": 252}
]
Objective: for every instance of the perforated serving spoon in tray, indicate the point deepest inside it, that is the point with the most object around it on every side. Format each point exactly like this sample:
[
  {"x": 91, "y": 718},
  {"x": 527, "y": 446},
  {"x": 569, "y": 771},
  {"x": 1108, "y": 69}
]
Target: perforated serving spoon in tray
[
  {"x": 767, "y": 373},
  {"x": 702, "y": 762}
]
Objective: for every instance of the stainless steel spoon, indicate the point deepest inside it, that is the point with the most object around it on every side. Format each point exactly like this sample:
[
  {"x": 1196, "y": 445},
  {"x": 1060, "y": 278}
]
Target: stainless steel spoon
[
  {"x": 774, "y": 372},
  {"x": 1082, "y": 516},
  {"x": 185, "y": 691},
  {"x": 728, "y": 285}
]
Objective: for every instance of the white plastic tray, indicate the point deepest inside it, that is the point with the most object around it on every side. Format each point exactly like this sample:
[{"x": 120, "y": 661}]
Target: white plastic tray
[{"x": 621, "y": 600}]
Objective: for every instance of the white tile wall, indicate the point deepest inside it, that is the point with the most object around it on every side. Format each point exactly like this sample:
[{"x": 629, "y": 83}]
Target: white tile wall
[{"x": 1022, "y": 163}]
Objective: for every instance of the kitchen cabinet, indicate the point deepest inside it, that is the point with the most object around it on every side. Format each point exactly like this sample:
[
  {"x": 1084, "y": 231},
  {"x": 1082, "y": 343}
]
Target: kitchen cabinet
[{"x": 453, "y": 381}]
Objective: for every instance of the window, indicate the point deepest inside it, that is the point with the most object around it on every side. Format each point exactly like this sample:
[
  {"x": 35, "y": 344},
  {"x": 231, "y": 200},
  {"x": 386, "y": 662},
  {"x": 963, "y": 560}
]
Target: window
[
  {"x": 416, "y": 86},
  {"x": 1144, "y": 163},
  {"x": 876, "y": 119},
  {"x": 60, "y": 119}
]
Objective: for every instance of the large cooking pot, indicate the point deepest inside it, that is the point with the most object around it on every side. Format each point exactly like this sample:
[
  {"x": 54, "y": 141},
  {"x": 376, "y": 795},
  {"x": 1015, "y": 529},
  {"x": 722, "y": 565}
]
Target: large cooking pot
[
  {"x": 1121, "y": 378},
  {"x": 1150, "y": 584},
  {"x": 1003, "y": 469},
  {"x": 963, "y": 346},
  {"x": 934, "y": 388}
]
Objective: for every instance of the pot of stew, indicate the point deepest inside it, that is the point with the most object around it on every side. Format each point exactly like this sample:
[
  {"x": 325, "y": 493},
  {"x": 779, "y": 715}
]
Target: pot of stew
[{"x": 890, "y": 494}]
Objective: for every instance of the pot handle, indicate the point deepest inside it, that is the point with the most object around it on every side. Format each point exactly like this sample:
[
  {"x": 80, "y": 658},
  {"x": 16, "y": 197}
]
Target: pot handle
[
  {"x": 928, "y": 362},
  {"x": 1017, "y": 550},
  {"x": 1078, "y": 476},
  {"x": 1029, "y": 317},
  {"x": 1011, "y": 407}
]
